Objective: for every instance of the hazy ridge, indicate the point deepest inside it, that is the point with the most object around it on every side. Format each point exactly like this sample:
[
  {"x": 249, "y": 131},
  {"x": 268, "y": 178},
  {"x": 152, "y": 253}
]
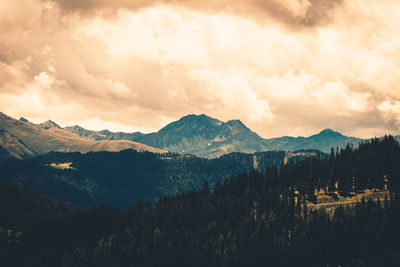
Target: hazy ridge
[{"x": 23, "y": 139}]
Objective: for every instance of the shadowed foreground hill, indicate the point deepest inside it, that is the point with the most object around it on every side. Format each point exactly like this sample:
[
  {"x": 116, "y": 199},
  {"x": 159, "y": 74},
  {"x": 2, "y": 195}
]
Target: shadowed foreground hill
[
  {"x": 22, "y": 139},
  {"x": 20, "y": 207}
]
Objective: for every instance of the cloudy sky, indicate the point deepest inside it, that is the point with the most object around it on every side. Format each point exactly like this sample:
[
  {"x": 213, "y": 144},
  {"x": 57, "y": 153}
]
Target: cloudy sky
[{"x": 283, "y": 67}]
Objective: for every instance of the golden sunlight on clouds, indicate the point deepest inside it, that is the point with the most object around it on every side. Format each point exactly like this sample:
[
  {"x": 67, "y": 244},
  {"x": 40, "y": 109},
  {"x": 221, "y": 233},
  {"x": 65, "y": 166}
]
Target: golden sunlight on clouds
[
  {"x": 228, "y": 91},
  {"x": 282, "y": 67},
  {"x": 391, "y": 111},
  {"x": 297, "y": 8}
]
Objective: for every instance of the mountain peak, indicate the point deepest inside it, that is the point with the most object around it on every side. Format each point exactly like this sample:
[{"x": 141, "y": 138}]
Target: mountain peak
[
  {"x": 49, "y": 124},
  {"x": 329, "y": 131},
  {"x": 193, "y": 119},
  {"x": 23, "y": 119},
  {"x": 189, "y": 123},
  {"x": 196, "y": 117},
  {"x": 236, "y": 121}
]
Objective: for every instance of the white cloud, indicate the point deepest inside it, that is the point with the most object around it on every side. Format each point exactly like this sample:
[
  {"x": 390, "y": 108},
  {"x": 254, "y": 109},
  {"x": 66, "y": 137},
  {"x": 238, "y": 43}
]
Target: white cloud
[
  {"x": 44, "y": 80},
  {"x": 118, "y": 89},
  {"x": 304, "y": 89},
  {"x": 390, "y": 111},
  {"x": 158, "y": 34},
  {"x": 232, "y": 93}
]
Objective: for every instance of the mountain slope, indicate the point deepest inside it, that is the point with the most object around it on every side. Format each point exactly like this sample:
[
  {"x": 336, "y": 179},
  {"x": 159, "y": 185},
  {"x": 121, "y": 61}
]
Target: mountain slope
[
  {"x": 19, "y": 204},
  {"x": 24, "y": 139}
]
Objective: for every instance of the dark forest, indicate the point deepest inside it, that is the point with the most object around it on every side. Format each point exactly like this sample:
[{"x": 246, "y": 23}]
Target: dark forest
[{"x": 255, "y": 218}]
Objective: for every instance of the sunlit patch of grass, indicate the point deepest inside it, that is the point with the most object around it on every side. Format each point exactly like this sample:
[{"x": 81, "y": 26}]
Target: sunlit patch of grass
[{"x": 62, "y": 166}]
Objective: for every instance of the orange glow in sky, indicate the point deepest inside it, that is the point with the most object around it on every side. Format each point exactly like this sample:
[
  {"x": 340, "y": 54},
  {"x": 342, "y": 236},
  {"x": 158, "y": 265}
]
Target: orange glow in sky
[{"x": 282, "y": 67}]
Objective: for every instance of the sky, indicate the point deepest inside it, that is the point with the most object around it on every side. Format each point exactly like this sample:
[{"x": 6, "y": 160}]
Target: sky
[{"x": 283, "y": 67}]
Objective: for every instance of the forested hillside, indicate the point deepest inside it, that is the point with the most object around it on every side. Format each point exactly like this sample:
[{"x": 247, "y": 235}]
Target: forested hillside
[
  {"x": 256, "y": 219},
  {"x": 123, "y": 178}
]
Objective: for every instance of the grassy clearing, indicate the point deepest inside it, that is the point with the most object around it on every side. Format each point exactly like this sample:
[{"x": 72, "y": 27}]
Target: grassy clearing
[
  {"x": 332, "y": 200},
  {"x": 62, "y": 166}
]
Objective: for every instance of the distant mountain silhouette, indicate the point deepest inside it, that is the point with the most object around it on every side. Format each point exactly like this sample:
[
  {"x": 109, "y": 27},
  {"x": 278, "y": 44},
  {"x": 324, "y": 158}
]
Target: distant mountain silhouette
[
  {"x": 323, "y": 141},
  {"x": 102, "y": 135},
  {"x": 204, "y": 136}
]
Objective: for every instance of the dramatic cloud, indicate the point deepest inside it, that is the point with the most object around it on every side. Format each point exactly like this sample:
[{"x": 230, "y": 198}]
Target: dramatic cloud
[
  {"x": 391, "y": 111},
  {"x": 291, "y": 12},
  {"x": 282, "y": 67}
]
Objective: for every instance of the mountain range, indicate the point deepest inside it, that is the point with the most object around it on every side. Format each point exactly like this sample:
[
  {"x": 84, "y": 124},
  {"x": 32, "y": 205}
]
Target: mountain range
[
  {"x": 199, "y": 135},
  {"x": 204, "y": 136}
]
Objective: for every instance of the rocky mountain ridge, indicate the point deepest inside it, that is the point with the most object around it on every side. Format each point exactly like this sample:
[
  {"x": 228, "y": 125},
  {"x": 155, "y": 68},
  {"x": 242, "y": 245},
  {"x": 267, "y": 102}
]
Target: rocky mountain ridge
[{"x": 204, "y": 136}]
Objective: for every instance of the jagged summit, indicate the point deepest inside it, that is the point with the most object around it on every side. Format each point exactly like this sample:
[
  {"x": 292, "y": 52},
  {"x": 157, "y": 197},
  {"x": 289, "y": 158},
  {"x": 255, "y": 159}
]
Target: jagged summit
[
  {"x": 23, "y": 119},
  {"x": 49, "y": 124}
]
